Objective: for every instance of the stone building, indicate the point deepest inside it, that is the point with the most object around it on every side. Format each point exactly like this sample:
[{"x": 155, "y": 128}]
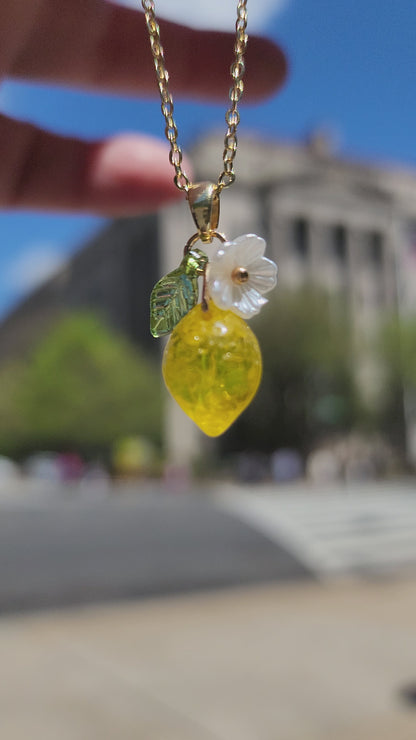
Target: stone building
[
  {"x": 112, "y": 275},
  {"x": 347, "y": 226}
]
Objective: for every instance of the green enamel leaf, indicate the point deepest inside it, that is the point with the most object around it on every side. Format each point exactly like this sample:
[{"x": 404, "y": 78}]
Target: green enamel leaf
[{"x": 176, "y": 293}]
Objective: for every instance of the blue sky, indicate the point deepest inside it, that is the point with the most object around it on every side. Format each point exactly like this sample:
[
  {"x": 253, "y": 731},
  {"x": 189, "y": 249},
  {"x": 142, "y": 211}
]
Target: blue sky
[{"x": 352, "y": 70}]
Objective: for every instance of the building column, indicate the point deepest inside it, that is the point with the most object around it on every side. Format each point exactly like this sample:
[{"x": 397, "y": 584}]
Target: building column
[
  {"x": 318, "y": 251},
  {"x": 354, "y": 264},
  {"x": 280, "y": 238},
  {"x": 182, "y": 440},
  {"x": 405, "y": 273}
]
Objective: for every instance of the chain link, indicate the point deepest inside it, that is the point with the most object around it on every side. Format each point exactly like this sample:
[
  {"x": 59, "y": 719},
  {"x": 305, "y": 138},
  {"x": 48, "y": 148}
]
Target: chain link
[{"x": 232, "y": 116}]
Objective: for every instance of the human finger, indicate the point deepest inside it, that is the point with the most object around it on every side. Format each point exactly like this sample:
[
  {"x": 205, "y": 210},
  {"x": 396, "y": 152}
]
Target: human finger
[
  {"x": 127, "y": 174},
  {"x": 96, "y": 44}
]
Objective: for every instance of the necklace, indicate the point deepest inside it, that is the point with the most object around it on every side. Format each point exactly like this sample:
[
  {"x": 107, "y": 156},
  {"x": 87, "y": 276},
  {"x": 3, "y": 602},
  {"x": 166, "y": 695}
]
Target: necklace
[{"x": 212, "y": 361}]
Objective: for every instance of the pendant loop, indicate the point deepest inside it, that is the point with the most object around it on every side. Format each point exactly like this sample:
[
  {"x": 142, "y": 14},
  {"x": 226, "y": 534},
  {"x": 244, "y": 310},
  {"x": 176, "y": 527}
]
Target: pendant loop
[
  {"x": 204, "y": 203},
  {"x": 196, "y": 237}
]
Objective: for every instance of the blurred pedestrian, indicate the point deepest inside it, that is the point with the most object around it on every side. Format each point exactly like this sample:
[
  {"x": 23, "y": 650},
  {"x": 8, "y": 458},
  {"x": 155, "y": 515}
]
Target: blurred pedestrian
[{"x": 286, "y": 465}]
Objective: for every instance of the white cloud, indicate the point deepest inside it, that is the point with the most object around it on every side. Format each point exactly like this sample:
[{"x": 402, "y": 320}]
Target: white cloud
[
  {"x": 218, "y": 14},
  {"x": 33, "y": 267}
]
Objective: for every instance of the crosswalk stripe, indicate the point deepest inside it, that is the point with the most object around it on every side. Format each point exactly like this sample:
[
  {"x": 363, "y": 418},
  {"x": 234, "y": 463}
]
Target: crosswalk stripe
[{"x": 337, "y": 531}]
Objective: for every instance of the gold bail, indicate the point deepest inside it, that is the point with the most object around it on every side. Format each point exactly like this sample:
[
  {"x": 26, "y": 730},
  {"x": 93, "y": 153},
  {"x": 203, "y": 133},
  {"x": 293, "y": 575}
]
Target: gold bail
[{"x": 204, "y": 203}]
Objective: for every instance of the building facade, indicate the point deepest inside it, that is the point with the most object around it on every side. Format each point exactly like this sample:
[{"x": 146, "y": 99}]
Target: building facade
[
  {"x": 111, "y": 275},
  {"x": 345, "y": 226}
]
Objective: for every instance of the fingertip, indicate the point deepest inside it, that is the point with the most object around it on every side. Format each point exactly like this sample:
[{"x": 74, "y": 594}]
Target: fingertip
[
  {"x": 128, "y": 159},
  {"x": 207, "y": 75},
  {"x": 130, "y": 173},
  {"x": 266, "y": 68}
]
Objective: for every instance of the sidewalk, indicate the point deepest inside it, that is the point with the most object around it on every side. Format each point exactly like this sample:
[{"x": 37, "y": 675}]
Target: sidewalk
[{"x": 299, "y": 662}]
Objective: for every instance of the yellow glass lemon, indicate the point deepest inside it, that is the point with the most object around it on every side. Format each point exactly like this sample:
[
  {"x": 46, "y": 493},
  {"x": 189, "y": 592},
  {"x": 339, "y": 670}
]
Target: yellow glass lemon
[{"x": 212, "y": 367}]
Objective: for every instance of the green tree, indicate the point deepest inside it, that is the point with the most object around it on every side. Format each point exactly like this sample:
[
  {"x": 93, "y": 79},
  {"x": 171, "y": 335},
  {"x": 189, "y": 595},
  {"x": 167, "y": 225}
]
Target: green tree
[
  {"x": 397, "y": 349},
  {"x": 82, "y": 387},
  {"x": 308, "y": 388}
]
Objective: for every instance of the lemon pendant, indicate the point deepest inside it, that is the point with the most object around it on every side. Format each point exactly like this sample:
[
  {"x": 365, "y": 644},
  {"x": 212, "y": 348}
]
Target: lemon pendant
[{"x": 212, "y": 367}]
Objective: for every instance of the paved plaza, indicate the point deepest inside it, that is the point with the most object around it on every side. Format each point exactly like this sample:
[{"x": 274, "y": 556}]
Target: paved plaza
[
  {"x": 283, "y": 662},
  {"x": 312, "y": 635},
  {"x": 67, "y": 545}
]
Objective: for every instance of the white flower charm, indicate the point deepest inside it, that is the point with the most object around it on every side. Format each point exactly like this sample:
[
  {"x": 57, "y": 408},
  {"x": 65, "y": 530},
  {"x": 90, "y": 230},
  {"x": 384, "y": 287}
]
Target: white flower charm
[{"x": 239, "y": 275}]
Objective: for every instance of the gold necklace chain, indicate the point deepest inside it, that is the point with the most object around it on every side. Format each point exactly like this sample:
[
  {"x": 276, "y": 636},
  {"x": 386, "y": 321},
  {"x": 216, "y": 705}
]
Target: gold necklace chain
[{"x": 232, "y": 116}]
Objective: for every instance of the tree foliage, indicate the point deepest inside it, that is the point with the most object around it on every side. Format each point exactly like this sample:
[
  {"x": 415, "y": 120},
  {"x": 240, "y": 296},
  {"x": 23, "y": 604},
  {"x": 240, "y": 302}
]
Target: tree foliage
[
  {"x": 82, "y": 388},
  {"x": 397, "y": 350},
  {"x": 308, "y": 388}
]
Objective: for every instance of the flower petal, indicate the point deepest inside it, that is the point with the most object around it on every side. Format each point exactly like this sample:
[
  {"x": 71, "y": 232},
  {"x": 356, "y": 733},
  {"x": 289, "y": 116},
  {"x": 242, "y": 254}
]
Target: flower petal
[
  {"x": 250, "y": 247},
  {"x": 221, "y": 292},
  {"x": 262, "y": 274},
  {"x": 224, "y": 259},
  {"x": 220, "y": 267},
  {"x": 249, "y": 304},
  {"x": 245, "y": 299}
]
